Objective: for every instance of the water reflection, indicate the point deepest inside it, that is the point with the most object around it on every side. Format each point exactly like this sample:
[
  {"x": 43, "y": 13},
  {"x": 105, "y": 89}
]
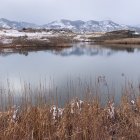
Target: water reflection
[
  {"x": 79, "y": 49},
  {"x": 62, "y": 68}
]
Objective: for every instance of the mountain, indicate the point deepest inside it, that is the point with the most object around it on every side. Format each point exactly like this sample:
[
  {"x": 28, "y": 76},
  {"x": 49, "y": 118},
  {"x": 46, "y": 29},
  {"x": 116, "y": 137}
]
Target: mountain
[
  {"x": 76, "y": 26},
  {"x": 88, "y": 26},
  {"x": 4, "y": 23},
  {"x": 61, "y": 24}
]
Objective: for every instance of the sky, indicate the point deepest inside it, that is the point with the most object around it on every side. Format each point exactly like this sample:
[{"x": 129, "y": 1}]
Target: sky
[{"x": 44, "y": 11}]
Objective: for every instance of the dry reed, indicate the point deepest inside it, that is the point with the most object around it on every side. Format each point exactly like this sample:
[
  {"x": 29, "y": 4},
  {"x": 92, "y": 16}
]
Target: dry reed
[{"x": 37, "y": 119}]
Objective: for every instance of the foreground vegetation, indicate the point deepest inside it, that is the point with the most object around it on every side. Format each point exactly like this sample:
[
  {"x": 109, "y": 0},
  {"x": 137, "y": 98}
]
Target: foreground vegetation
[{"x": 37, "y": 118}]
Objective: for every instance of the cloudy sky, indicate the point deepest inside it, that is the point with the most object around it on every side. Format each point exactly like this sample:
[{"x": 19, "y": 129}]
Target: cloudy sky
[{"x": 43, "y": 11}]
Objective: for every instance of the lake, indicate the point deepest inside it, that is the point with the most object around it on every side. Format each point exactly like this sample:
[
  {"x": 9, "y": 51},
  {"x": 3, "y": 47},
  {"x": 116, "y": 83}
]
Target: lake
[{"x": 72, "y": 71}]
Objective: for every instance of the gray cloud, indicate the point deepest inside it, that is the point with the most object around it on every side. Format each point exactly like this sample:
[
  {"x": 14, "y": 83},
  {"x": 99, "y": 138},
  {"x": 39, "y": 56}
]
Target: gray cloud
[{"x": 43, "y": 11}]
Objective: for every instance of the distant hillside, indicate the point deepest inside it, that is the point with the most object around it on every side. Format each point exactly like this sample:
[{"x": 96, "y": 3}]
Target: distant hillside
[
  {"x": 88, "y": 26},
  {"x": 4, "y": 23},
  {"x": 76, "y": 26}
]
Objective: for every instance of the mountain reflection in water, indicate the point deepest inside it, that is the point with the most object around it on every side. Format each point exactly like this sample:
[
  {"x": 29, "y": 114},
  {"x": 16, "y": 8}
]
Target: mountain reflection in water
[
  {"x": 78, "y": 49},
  {"x": 62, "y": 68}
]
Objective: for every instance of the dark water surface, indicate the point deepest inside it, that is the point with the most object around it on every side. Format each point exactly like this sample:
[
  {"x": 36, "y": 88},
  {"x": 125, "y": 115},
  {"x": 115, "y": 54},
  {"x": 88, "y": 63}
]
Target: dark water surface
[{"x": 72, "y": 71}]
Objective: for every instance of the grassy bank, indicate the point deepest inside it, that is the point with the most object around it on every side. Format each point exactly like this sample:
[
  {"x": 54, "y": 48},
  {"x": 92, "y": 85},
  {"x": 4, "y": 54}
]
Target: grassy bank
[
  {"x": 22, "y": 45},
  {"x": 118, "y": 37},
  {"x": 37, "y": 118},
  {"x": 123, "y": 41},
  {"x": 35, "y": 38}
]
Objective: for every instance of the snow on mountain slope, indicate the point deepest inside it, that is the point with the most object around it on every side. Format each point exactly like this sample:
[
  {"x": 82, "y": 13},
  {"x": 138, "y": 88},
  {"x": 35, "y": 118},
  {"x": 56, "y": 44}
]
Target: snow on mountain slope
[
  {"x": 4, "y": 23},
  {"x": 61, "y": 24},
  {"x": 76, "y": 26},
  {"x": 88, "y": 26}
]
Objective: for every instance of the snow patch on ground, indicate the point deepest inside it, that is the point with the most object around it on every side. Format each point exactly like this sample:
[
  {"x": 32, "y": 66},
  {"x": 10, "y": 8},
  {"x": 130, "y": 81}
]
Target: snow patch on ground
[
  {"x": 7, "y": 35},
  {"x": 6, "y": 41},
  {"x": 136, "y": 33},
  {"x": 86, "y": 37},
  {"x": 16, "y": 33}
]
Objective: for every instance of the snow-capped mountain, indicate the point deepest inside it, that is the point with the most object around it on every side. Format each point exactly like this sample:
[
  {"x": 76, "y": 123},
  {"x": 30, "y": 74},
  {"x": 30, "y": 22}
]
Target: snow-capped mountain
[
  {"x": 76, "y": 26},
  {"x": 4, "y": 23},
  {"x": 61, "y": 24},
  {"x": 88, "y": 26}
]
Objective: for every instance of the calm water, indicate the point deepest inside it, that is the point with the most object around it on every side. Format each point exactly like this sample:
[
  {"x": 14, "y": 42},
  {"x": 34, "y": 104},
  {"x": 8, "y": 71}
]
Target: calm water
[{"x": 71, "y": 70}]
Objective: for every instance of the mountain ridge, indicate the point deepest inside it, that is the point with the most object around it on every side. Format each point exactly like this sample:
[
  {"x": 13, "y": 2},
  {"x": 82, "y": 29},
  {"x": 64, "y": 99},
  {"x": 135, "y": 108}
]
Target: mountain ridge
[
  {"x": 76, "y": 25},
  {"x": 5, "y": 23}
]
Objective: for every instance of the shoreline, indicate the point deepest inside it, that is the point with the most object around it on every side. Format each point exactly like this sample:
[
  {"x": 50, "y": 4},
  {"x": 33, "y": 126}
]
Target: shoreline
[
  {"x": 125, "y": 41},
  {"x": 50, "y": 39}
]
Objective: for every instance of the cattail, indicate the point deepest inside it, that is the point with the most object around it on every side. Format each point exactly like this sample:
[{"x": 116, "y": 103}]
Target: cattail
[
  {"x": 111, "y": 110},
  {"x": 56, "y": 112},
  {"x": 15, "y": 116}
]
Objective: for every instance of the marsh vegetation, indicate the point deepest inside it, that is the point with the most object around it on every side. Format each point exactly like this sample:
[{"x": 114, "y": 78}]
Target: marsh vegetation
[{"x": 37, "y": 116}]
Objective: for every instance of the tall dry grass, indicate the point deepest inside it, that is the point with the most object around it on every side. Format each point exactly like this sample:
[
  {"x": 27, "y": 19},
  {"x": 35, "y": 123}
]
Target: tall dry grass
[{"x": 36, "y": 118}]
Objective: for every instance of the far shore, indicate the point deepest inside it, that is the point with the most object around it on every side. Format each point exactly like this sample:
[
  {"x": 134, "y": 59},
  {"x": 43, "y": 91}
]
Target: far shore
[
  {"x": 124, "y": 37},
  {"x": 55, "y": 39},
  {"x": 131, "y": 41}
]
